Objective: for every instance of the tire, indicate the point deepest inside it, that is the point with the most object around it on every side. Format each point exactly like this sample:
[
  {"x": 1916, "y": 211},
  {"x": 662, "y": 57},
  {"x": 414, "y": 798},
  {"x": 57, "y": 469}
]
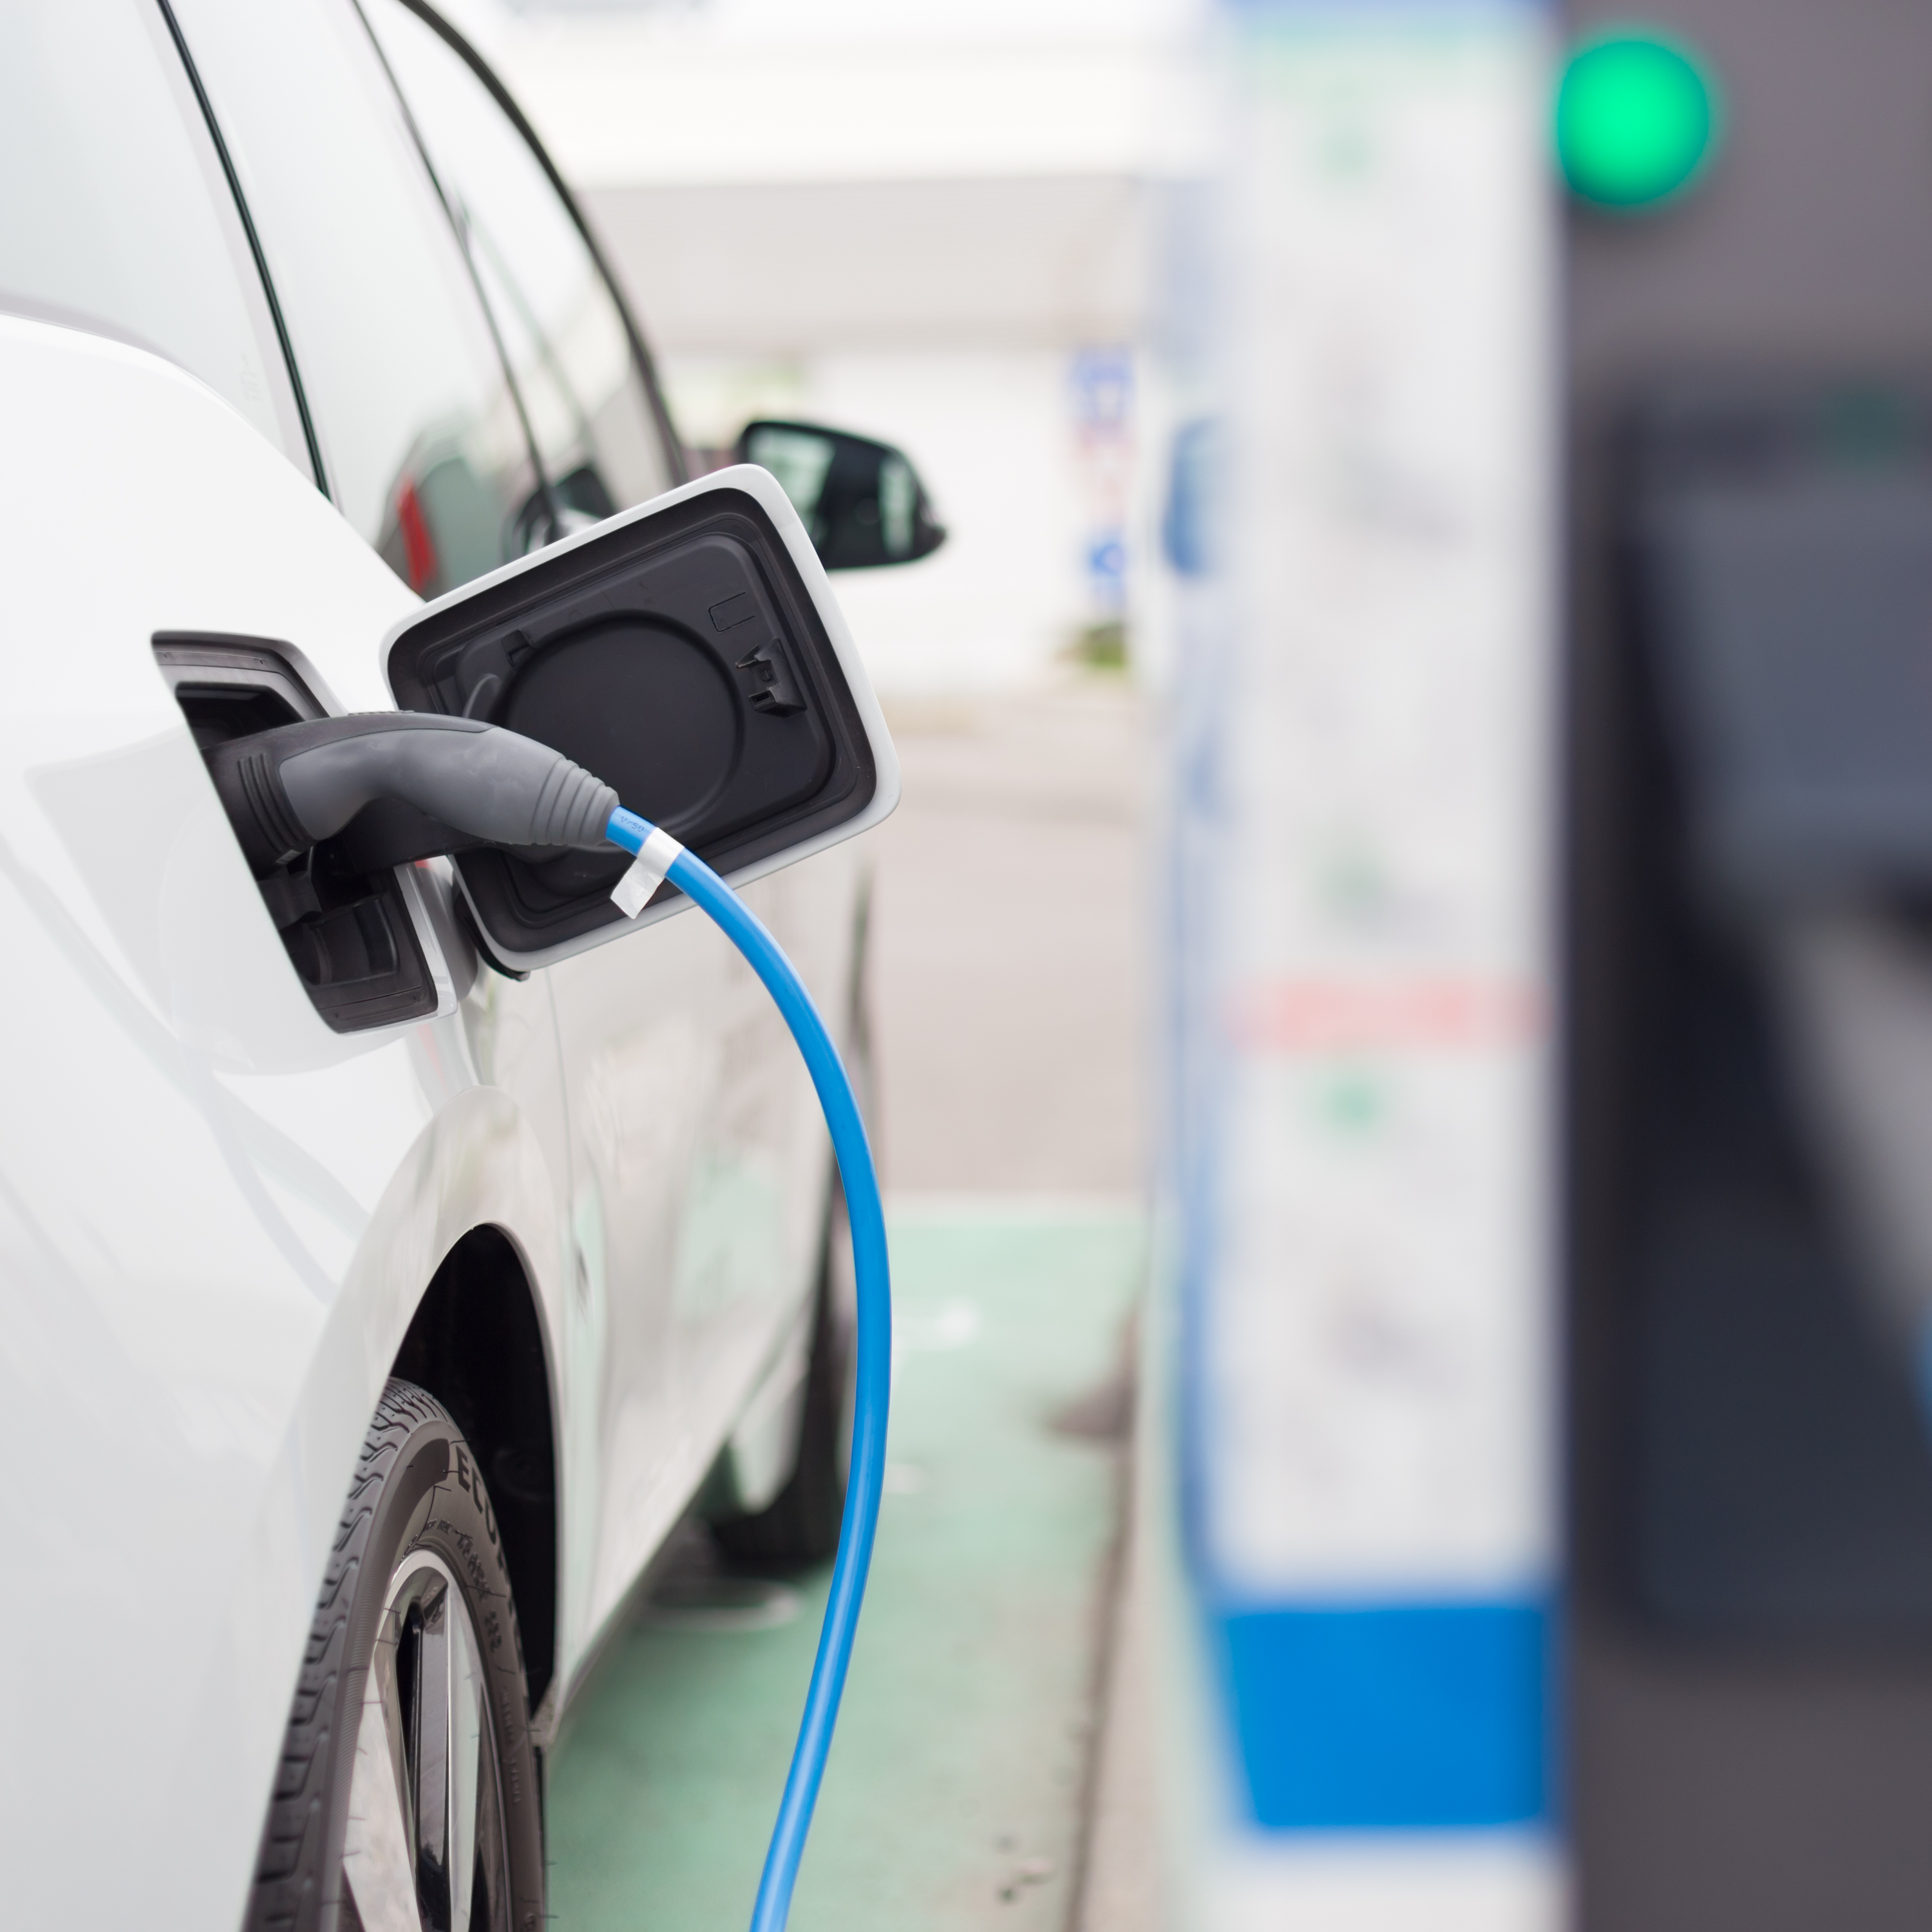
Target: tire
[{"x": 407, "y": 1795}]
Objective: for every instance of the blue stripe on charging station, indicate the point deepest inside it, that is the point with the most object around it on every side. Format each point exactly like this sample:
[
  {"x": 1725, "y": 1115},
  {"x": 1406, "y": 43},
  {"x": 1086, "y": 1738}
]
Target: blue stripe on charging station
[{"x": 1397, "y": 1717}]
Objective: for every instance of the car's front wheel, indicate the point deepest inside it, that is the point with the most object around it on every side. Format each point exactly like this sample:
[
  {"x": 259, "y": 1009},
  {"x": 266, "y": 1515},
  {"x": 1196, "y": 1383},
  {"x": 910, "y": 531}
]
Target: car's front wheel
[{"x": 406, "y": 1796}]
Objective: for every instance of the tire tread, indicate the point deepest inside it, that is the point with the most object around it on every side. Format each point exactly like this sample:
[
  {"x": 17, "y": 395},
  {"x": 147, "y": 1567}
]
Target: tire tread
[{"x": 288, "y": 1866}]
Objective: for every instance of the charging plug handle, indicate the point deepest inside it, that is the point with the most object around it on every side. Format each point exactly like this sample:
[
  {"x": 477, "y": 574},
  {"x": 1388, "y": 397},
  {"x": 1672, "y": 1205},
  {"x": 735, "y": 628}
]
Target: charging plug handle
[{"x": 288, "y": 789}]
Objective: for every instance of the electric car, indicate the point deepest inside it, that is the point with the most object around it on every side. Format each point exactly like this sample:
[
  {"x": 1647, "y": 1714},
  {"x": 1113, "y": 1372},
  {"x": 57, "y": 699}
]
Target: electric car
[{"x": 380, "y": 1287}]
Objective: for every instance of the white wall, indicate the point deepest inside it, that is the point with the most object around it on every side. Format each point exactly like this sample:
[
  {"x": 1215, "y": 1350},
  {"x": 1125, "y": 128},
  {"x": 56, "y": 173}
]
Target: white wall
[{"x": 793, "y": 266}]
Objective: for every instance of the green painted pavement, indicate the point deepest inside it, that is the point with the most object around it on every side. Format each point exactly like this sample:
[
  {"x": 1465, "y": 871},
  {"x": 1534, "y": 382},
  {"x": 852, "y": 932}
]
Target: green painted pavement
[{"x": 953, "y": 1798}]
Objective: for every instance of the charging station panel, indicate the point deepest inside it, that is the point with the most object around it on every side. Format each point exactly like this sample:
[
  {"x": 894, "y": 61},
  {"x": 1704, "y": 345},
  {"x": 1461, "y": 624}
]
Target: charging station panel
[
  {"x": 1369, "y": 1471},
  {"x": 1552, "y": 1106}
]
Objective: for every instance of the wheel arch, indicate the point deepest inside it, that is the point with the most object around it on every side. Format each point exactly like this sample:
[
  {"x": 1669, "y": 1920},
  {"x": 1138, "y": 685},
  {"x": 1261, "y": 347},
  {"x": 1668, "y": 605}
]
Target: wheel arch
[{"x": 477, "y": 1343}]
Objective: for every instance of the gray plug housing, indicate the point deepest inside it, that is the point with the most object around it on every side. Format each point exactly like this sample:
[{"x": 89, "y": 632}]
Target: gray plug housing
[{"x": 288, "y": 789}]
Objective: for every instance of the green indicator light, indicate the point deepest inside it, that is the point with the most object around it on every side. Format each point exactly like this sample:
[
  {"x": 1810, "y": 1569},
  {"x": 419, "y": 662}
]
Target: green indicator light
[{"x": 1635, "y": 121}]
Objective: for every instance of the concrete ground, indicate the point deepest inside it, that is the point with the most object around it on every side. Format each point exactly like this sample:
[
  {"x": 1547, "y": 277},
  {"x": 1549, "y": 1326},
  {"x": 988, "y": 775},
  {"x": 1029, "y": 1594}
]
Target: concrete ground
[
  {"x": 1009, "y": 967},
  {"x": 952, "y": 1801},
  {"x": 991, "y": 1768}
]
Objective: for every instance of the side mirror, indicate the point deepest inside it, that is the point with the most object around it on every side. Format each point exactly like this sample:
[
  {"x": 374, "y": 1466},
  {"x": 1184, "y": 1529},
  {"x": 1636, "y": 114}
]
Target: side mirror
[
  {"x": 689, "y": 652},
  {"x": 861, "y": 501}
]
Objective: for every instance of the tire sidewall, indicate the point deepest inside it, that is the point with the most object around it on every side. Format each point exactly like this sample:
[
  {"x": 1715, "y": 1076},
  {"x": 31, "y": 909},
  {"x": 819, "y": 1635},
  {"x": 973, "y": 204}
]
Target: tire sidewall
[{"x": 434, "y": 1500}]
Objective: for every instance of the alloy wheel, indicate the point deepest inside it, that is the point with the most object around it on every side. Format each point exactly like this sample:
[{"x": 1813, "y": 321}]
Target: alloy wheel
[{"x": 425, "y": 1850}]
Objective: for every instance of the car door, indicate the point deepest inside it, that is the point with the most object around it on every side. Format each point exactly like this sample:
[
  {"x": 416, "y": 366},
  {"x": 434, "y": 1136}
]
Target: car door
[
  {"x": 698, "y": 1160},
  {"x": 422, "y": 441}
]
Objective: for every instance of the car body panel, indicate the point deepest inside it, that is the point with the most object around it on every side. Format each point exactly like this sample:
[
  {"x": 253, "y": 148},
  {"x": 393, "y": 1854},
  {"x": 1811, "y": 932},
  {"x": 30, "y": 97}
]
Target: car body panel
[
  {"x": 217, "y": 1215},
  {"x": 700, "y": 1167},
  {"x": 201, "y": 1182}
]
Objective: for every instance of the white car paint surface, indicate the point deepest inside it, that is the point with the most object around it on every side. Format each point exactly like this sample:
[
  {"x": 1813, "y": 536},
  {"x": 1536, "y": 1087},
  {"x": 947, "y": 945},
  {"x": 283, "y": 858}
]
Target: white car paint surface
[{"x": 217, "y": 1215}]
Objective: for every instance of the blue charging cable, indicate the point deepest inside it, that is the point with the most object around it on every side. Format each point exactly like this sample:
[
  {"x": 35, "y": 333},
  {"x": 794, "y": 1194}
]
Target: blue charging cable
[{"x": 660, "y": 857}]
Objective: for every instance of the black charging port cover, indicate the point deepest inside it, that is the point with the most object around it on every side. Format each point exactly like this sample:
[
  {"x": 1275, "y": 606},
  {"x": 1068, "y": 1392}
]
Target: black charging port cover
[{"x": 680, "y": 657}]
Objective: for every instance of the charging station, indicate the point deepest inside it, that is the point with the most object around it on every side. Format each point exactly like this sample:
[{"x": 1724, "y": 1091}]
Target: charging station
[
  {"x": 1551, "y": 562},
  {"x": 1364, "y": 937}
]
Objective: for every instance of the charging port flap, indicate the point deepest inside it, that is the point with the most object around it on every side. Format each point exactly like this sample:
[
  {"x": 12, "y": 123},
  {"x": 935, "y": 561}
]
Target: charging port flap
[{"x": 690, "y": 654}]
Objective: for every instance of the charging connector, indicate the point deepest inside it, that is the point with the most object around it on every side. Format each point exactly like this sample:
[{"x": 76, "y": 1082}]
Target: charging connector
[{"x": 465, "y": 783}]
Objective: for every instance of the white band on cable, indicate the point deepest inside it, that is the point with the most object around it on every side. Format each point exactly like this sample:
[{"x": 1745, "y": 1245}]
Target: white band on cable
[{"x": 655, "y": 857}]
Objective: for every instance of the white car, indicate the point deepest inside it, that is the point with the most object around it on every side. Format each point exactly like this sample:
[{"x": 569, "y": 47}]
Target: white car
[{"x": 387, "y": 1264}]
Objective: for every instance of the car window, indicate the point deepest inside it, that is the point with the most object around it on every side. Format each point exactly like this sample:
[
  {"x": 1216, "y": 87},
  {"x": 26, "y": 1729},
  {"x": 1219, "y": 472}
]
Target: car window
[
  {"x": 117, "y": 217},
  {"x": 568, "y": 347},
  {"x": 422, "y": 439}
]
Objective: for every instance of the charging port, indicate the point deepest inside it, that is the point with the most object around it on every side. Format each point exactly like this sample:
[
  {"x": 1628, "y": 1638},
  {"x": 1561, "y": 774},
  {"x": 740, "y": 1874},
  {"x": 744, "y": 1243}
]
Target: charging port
[{"x": 348, "y": 932}]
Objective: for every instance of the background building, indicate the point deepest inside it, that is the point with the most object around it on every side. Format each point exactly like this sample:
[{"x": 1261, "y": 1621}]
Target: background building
[{"x": 931, "y": 224}]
